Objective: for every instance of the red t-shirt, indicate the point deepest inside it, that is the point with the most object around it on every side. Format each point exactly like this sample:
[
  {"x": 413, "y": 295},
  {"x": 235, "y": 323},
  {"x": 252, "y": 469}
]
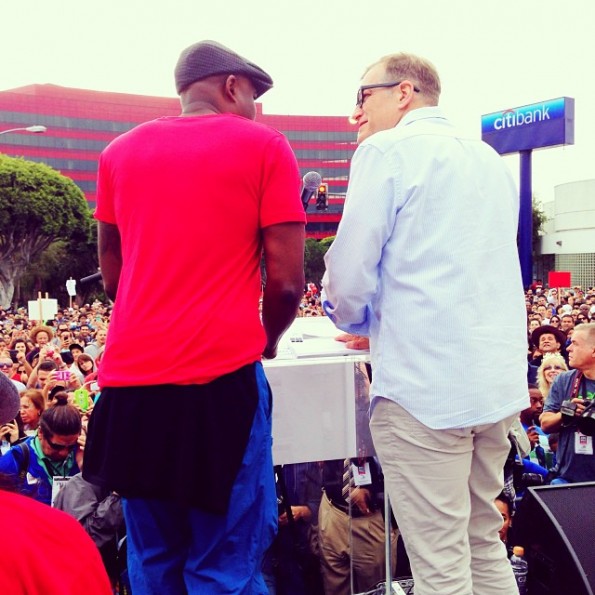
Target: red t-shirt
[
  {"x": 49, "y": 552},
  {"x": 190, "y": 196}
]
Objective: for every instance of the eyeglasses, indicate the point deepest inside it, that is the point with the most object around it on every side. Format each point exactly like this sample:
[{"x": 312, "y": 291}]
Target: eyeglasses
[
  {"x": 55, "y": 446},
  {"x": 4, "y": 366},
  {"x": 359, "y": 102}
]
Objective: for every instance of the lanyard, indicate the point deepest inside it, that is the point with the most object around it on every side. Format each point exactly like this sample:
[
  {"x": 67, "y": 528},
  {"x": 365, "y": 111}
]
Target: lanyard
[{"x": 576, "y": 385}]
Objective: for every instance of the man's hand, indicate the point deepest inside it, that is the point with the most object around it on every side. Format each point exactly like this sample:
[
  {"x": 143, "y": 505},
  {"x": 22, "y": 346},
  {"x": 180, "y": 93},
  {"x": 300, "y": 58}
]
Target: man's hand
[
  {"x": 533, "y": 436},
  {"x": 270, "y": 352},
  {"x": 581, "y": 405},
  {"x": 298, "y": 512},
  {"x": 360, "y": 497},
  {"x": 354, "y": 341},
  {"x": 10, "y": 431}
]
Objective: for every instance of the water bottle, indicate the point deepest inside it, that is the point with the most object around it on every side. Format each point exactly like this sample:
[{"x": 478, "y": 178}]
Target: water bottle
[{"x": 519, "y": 567}]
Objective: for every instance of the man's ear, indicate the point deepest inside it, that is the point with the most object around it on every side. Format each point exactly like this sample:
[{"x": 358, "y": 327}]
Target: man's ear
[{"x": 230, "y": 87}]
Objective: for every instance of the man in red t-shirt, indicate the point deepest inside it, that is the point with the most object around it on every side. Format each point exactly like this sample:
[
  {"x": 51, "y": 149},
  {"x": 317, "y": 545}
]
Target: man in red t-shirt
[{"x": 186, "y": 207}]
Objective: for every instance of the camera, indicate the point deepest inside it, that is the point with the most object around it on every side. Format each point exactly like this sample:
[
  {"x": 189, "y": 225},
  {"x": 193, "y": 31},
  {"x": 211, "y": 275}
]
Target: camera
[
  {"x": 62, "y": 375},
  {"x": 585, "y": 422}
]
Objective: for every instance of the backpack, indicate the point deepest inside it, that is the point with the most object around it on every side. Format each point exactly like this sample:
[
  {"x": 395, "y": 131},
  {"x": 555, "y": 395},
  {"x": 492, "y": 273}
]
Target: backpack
[{"x": 25, "y": 462}]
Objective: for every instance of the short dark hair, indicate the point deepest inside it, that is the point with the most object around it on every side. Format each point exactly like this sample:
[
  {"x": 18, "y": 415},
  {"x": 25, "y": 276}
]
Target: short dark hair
[{"x": 47, "y": 365}]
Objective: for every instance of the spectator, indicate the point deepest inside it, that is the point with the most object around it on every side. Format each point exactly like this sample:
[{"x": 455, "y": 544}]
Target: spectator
[
  {"x": 32, "y": 406},
  {"x": 552, "y": 365},
  {"x": 40, "y": 374},
  {"x": 85, "y": 364},
  {"x": 504, "y": 505},
  {"x": 291, "y": 566},
  {"x": 566, "y": 323},
  {"x": 7, "y": 367},
  {"x": 570, "y": 393},
  {"x": 52, "y": 452},
  {"x": 100, "y": 513},
  {"x": 548, "y": 340},
  {"x": 351, "y": 537},
  {"x": 96, "y": 347},
  {"x": 41, "y": 337},
  {"x": 28, "y": 565}
]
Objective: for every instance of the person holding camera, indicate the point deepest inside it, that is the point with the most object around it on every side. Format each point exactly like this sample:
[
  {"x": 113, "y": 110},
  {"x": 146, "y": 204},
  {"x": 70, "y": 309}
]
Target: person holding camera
[{"x": 569, "y": 410}]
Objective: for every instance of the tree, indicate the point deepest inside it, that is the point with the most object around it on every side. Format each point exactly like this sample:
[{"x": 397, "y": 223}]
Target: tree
[
  {"x": 539, "y": 220},
  {"x": 314, "y": 258},
  {"x": 38, "y": 206}
]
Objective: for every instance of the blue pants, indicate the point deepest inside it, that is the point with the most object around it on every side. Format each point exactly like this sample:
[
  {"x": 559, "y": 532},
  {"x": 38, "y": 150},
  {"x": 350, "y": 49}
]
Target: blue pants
[{"x": 174, "y": 550}]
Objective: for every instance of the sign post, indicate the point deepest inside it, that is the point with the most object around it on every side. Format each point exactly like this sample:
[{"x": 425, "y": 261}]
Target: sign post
[{"x": 520, "y": 130}]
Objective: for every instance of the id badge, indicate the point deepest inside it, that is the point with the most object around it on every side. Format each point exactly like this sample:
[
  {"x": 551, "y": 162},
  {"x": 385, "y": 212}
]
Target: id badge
[
  {"x": 57, "y": 485},
  {"x": 361, "y": 474},
  {"x": 583, "y": 445}
]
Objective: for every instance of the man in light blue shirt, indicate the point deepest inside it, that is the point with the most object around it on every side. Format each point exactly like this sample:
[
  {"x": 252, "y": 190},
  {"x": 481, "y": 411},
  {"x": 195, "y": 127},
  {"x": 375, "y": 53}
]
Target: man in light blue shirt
[{"x": 427, "y": 240}]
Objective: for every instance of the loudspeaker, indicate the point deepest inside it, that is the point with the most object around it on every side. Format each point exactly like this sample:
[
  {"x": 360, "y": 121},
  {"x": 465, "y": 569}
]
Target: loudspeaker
[{"x": 556, "y": 526}]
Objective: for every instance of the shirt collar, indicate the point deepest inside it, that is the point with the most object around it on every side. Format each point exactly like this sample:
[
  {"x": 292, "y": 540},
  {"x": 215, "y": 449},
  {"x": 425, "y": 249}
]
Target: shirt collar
[{"x": 422, "y": 113}]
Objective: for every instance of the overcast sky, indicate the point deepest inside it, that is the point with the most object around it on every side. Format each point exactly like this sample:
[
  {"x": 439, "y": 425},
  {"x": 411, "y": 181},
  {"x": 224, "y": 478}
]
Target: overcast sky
[{"x": 490, "y": 55}]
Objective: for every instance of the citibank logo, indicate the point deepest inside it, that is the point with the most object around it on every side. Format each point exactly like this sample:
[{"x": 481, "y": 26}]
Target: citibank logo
[
  {"x": 523, "y": 116},
  {"x": 512, "y": 118}
]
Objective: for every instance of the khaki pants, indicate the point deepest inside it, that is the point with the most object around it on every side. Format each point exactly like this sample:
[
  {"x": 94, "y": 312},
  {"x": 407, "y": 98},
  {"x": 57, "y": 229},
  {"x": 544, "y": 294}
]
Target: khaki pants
[
  {"x": 364, "y": 550},
  {"x": 442, "y": 485}
]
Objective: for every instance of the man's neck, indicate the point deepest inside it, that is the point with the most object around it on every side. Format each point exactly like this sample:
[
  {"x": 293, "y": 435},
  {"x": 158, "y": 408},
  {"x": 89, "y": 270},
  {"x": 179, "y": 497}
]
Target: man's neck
[
  {"x": 199, "y": 108},
  {"x": 589, "y": 372}
]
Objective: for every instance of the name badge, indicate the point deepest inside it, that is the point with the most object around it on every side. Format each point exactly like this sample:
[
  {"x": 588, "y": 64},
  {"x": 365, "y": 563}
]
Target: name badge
[
  {"x": 57, "y": 485},
  {"x": 583, "y": 445},
  {"x": 361, "y": 474}
]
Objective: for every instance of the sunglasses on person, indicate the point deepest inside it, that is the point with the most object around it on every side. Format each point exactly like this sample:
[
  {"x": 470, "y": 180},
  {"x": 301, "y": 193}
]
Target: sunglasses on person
[
  {"x": 552, "y": 368},
  {"x": 54, "y": 446},
  {"x": 5, "y": 366},
  {"x": 359, "y": 102}
]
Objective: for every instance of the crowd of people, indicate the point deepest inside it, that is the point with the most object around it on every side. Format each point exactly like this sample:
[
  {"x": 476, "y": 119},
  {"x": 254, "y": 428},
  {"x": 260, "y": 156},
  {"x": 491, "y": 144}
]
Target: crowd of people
[
  {"x": 174, "y": 442},
  {"x": 54, "y": 367}
]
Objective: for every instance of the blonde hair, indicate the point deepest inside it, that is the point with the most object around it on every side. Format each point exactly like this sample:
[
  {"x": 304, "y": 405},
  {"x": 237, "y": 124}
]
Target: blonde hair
[
  {"x": 549, "y": 359},
  {"x": 421, "y": 72}
]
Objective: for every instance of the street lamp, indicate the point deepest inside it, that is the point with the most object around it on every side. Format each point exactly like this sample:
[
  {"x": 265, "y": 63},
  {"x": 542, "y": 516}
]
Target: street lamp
[{"x": 37, "y": 128}]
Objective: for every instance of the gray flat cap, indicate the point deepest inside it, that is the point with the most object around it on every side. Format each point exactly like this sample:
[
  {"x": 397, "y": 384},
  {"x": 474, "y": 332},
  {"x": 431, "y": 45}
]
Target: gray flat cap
[
  {"x": 207, "y": 58},
  {"x": 9, "y": 400}
]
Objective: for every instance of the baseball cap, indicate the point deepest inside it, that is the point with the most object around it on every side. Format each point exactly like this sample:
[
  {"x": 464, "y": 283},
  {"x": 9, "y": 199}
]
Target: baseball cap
[{"x": 207, "y": 58}]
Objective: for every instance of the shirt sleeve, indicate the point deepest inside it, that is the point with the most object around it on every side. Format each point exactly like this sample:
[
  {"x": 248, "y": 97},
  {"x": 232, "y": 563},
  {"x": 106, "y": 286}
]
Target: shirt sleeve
[
  {"x": 556, "y": 395},
  {"x": 280, "y": 202},
  {"x": 104, "y": 211},
  {"x": 353, "y": 261}
]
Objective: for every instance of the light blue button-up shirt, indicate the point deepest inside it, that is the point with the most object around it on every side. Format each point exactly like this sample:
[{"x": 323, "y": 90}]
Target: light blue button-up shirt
[{"x": 425, "y": 262}]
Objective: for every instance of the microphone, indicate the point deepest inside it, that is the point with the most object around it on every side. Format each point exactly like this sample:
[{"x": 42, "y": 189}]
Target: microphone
[
  {"x": 90, "y": 278},
  {"x": 311, "y": 181}
]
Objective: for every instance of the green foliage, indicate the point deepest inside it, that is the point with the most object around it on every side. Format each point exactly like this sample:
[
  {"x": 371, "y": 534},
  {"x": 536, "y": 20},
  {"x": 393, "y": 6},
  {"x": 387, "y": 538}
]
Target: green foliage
[
  {"x": 38, "y": 206},
  {"x": 327, "y": 242},
  {"x": 539, "y": 220},
  {"x": 36, "y": 200},
  {"x": 314, "y": 259}
]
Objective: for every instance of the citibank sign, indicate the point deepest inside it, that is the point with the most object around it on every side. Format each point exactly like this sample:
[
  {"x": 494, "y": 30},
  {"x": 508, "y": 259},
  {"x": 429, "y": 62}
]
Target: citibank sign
[{"x": 544, "y": 124}]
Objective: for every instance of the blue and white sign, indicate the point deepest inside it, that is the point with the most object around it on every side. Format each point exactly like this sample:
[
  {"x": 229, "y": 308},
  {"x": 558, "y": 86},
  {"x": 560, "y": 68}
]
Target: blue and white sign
[{"x": 544, "y": 124}]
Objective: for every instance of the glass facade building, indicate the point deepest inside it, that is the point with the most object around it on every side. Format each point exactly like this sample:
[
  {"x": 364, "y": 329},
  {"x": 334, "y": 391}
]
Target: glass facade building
[{"x": 80, "y": 123}]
